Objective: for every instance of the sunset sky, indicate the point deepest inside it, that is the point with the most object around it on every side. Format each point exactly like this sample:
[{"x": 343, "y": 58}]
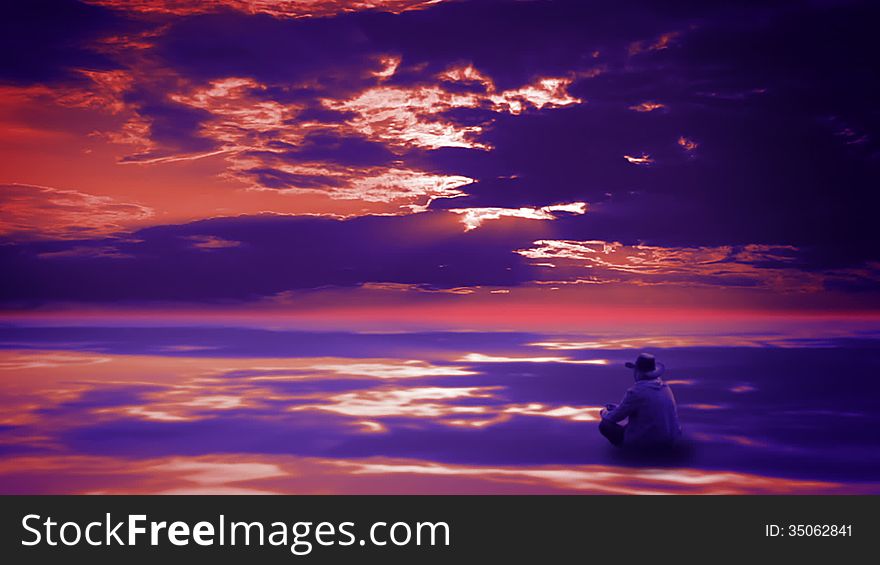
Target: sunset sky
[
  {"x": 396, "y": 246},
  {"x": 395, "y": 163}
]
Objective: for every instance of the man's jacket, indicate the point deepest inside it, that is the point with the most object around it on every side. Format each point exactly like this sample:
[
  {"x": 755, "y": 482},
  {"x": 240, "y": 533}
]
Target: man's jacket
[{"x": 653, "y": 418}]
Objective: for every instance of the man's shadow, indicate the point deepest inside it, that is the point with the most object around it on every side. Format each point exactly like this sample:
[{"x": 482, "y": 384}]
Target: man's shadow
[{"x": 681, "y": 454}]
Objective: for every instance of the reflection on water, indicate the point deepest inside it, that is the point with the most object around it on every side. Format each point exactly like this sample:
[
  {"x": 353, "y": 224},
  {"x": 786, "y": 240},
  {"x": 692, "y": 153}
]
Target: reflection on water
[
  {"x": 280, "y": 474},
  {"x": 251, "y": 411}
]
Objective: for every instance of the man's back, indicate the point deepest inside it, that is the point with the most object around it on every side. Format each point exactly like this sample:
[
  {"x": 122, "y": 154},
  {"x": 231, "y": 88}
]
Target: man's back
[{"x": 653, "y": 417}]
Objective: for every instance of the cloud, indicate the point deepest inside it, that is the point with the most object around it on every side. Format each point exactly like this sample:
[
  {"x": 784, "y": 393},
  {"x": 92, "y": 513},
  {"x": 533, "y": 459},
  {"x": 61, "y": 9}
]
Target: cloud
[
  {"x": 648, "y": 106},
  {"x": 44, "y": 360},
  {"x": 406, "y": 189},
  {"x": 371, "y": 113},
  {"x": 44, "y": 212},
  {"x": 209, "y": 242},
  {"x": 413, "y": 258},
  {"x": 406, "y": 117},
  {"x": 389, "y": 67},
  {"x": 688, "y": 144},
  {"x": 270, "y": 142},
  {"x": 283, "y": 253},
  {"x": 47, "y": 41},
  {"x": 473, "y": 218},
  {"x": 91, "y": 89},
  {"x": 643, "y": 159},
  {"x": 239, "y": 118},
  {"x": 664, "y": 41},
  {"x": 274, "y": 8},
  {"x": 85, "y": 252},
  {"x": 87, "y": 95},
  {"x": 599, "y": 262},
  {"x": 269, "y": 147}
]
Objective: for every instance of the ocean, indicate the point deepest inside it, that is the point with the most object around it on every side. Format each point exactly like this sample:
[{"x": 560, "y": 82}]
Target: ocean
[{"x": 187, "y": 409}]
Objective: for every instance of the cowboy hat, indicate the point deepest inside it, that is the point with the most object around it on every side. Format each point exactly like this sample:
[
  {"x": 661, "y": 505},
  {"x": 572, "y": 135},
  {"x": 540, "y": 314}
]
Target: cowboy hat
[{"x": 647, "y": 365}]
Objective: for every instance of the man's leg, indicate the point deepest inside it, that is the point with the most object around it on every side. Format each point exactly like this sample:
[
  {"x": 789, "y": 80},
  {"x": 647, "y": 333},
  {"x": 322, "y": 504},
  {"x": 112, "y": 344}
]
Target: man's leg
[{"x": 612, "y": 431}]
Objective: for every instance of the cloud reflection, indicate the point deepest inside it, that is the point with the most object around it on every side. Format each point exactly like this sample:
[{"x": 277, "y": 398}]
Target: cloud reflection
[
  {"x": 474, "y": 413},
  {"x": 248, "y": 474}
]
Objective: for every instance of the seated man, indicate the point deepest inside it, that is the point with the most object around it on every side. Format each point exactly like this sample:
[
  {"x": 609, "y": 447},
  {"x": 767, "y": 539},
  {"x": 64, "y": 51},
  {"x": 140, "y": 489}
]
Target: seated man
[{"x": 649, "y": 406}]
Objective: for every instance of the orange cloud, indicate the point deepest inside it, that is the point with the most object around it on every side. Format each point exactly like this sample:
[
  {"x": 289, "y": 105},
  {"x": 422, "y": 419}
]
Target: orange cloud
[
  {"x": 546, "y": 92},
  {"x": 209, "y": 242},
  {"x": 252, "y": 136},
  {"x": 406, "y": 117},
  {"x": 389, "y": 67},
  {"x": 103, "y": 91},
  {"x": 687, "y": 144},
  {"x": 797, "y": 339},
  {"x": 645, "y": 264},
  {"x": 408, "y": 190},
  {"x": 275, "y": 8},
  {"x": 473, "y": 218},
  {"x": 643, "y": 159},
  {"x": 253, "y": 133},
  {"x": 239, "y": 120},
  {"x": 648, "y": 106},
  {"x": 662, "y": 42},
  {"x": 41, "y": 211},
  {"x": 466, "y": 73},
  {"x": 406, "y": 287}
]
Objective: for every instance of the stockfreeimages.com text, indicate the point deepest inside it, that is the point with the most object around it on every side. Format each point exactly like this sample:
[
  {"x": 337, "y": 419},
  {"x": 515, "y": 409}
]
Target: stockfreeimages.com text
[{"x": 300, "y": 537}]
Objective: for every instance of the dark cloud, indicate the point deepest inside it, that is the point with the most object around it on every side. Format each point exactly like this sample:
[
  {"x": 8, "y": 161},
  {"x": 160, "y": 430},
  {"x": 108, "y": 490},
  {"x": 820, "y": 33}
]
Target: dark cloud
[
  {"x": 334, "y": 52},
  {"x": 333, "y": 148},
  {"x": 174, "y": 128},
  {"x": 779, "y": 103},
  {"x": 45, "y": 40},
  {"x": 503, "y": 40},
  {"x": 280, "y": 180},
  {"x": 767, "y": 134},
  {"x": 274, "y": 255},
  {"x": 235, "y": 260}
]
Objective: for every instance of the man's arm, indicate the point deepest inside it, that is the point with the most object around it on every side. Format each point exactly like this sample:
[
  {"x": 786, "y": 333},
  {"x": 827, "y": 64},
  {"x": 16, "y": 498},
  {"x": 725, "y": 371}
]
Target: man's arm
[{"x": 626, "y": 407}]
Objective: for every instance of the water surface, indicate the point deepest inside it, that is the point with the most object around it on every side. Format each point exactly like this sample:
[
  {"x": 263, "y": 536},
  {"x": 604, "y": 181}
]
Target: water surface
[{"x": 244, "y": 410}]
